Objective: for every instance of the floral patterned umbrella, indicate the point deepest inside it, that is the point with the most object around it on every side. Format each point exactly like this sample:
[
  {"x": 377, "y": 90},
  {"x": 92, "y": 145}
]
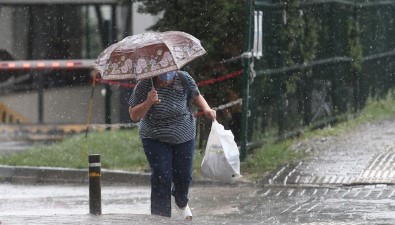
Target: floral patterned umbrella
[{"x": 147, "y": 55}]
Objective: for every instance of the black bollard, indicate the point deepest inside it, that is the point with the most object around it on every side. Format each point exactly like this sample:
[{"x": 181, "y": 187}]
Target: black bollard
[{"x": 94, "y": 184}]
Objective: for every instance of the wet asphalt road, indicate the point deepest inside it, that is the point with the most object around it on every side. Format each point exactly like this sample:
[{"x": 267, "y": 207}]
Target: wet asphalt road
[
  {"x": 121, "y": 204},
  {"x": 57, "y": 204},
  {"x": 348, "y": 179}
]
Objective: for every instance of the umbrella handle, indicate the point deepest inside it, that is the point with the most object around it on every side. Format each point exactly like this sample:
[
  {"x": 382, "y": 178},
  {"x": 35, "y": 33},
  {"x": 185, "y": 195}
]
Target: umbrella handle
[{"x": 152, "y": 83}]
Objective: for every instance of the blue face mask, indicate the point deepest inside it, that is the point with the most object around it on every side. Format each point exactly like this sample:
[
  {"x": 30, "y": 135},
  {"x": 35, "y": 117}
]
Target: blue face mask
[{"x": 167, "y": 76}]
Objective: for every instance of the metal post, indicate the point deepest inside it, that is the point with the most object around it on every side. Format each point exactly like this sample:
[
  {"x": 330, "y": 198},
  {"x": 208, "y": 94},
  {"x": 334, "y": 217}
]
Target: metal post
[
  {"x": 107, "y": 104},
  {"x": 246, "y": 80},
  {"x": 30, "y": 32},
  {"x": 87, "y": 33},
  {"x": 107, "y": 97},
  {"x": 94, "y": 184},
  {"x": 40, "y": 95},
  {"x": 280, "y": 103}
]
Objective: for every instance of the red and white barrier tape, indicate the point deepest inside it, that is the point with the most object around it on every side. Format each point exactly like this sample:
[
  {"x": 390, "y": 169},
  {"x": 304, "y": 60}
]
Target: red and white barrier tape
[
  {"x": 200, "y": 83},
  {"x": 222, "y": 107}
]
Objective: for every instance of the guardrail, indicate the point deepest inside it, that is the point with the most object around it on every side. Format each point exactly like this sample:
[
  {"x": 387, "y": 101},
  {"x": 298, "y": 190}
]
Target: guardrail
[
  {"x": 53, "y": 132},
  {"x": 7, "y": 115}
]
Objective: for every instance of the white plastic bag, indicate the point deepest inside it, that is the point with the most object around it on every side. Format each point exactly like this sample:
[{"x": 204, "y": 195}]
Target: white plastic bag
[{"x": 221, "y": 160}]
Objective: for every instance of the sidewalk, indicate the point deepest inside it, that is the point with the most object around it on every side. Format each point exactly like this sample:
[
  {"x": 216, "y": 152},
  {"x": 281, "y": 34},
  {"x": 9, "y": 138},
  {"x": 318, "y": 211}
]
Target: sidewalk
[{"x": 363, "y": 156}]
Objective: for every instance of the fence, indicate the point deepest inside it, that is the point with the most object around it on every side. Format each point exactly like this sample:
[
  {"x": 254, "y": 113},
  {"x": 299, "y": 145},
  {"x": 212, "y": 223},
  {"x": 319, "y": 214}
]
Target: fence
[{"x": 320, "y": 59}]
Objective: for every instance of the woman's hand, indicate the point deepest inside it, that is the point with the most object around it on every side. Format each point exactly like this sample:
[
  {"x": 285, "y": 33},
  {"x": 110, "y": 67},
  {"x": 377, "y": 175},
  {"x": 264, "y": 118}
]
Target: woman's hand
[
  {"x": 210, "y": 113},
  {"x": 152, "y": 96},
  {"x": 139, "y": 111},
  {"x": 207, "y": 111}
]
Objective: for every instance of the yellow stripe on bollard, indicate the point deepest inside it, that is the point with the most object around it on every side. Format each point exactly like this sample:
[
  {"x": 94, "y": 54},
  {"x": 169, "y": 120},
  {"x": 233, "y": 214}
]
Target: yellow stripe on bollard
[{"x": 94, "y": 174}]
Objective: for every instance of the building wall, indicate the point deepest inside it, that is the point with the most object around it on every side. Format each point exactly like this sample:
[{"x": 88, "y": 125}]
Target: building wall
[{"x": 64, "y": 105}]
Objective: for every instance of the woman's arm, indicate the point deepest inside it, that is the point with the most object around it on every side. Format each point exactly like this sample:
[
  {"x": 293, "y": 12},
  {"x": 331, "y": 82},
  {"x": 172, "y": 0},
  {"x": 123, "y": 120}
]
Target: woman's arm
[
  {"x": 139, "y": 111},
  {"x": 200, "y": 102}
]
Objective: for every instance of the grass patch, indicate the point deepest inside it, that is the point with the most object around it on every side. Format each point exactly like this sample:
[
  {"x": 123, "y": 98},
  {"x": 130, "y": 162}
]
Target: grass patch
[{"x": 120, "y": 149}]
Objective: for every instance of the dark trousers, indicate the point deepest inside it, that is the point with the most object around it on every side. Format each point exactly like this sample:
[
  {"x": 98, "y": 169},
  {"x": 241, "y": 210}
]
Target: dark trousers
[{"x": 170, "y": 164}]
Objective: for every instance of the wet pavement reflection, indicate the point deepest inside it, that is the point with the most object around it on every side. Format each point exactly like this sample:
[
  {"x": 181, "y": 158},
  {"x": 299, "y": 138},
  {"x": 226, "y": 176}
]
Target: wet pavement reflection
[
  {"x": 211, "y": 204},
  {"x": 70, "y": 199}
]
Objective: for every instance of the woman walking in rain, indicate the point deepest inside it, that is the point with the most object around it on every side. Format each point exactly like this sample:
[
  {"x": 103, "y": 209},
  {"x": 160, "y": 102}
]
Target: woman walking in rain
[{"x": 167, "y": 130}]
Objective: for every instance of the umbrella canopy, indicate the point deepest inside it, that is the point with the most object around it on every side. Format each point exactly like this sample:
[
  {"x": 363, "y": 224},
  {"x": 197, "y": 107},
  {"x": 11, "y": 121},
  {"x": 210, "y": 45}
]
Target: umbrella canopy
[{"x": 147, "y": 55}]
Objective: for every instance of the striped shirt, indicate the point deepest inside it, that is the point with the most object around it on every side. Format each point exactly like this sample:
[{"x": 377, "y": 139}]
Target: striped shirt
[{"x": 171, "y": 120}]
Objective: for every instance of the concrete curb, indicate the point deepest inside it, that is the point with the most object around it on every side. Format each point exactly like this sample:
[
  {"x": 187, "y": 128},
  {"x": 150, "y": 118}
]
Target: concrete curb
[
  {"x": 55, "y": 175},
  {"x": 25, "y": 174}
]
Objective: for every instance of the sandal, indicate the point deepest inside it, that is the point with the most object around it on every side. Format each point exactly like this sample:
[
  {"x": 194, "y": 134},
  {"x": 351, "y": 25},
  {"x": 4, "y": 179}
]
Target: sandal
[{"x": 185, "y": 212}]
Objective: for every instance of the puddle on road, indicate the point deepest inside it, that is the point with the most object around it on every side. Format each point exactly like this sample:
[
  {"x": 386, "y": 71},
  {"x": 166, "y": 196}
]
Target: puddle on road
[{"x": 56, "y": 199}]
